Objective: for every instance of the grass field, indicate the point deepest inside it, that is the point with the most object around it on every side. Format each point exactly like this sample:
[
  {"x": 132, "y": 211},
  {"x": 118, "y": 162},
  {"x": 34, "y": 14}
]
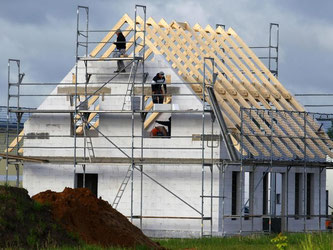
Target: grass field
[
  {"x": 288, "y": 241},
  {"x": 316, "y": 241}
]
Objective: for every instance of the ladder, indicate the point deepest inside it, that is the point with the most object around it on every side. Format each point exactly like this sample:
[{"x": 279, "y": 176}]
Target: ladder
[
  {"x": 122, "y": 188},
  {"x": 132, "y": 74},
  {"x": 89, "y": 145}
]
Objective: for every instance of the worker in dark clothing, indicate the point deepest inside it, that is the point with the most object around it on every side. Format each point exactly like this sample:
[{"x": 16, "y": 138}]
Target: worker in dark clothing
[
  {"x": 158, "y": 92},
  {"x": 120, "y": 50}
]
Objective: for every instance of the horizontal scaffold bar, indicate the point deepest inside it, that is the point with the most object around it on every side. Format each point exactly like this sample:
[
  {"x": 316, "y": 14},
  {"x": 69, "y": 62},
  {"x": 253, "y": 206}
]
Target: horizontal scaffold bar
[{"x": 46, "y": 111}]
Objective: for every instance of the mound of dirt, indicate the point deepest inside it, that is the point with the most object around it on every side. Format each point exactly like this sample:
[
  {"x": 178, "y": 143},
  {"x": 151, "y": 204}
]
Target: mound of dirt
[
  {"x": 94, "y": 220},
  {"x": 25, "y": 223}
]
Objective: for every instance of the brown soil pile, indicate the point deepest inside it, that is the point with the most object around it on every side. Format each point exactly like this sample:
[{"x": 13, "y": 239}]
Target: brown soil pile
[
  {"x": 94, "y": 220},
  {"x": 26, "y": 224}
]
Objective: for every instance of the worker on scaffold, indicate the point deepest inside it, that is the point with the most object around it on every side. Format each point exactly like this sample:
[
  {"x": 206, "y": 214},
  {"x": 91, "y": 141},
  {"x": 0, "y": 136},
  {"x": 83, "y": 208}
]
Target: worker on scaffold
[
  {"x": 158, "y": 92},
  {"x": 120, "y": 50}
]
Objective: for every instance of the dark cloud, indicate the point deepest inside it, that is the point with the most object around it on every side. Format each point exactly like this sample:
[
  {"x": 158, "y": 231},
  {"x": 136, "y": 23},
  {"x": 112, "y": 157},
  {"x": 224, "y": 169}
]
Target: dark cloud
[
  {"x": 310, "y": 9},
  {"x": 36, "y": 11},
  {"x": 42, "y": 33}
]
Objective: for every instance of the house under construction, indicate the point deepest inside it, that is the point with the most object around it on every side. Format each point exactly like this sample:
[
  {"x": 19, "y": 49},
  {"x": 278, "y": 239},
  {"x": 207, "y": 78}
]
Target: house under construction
[{"x": 241, "y": 154}]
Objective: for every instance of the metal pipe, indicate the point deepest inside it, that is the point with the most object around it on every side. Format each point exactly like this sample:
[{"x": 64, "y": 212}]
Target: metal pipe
[
  {"x": 304, "y": 175},
  {"x": 75, "y": 96},
  {"x": 17, "y": 167},
  {"x": 241, "y": 190},
  {"x": 7, "y": 127},
  {"x": 224, "y": 166},
  {"x": 287, "y": 200},
  {"x": 141, "y": 195},
  {"x": 271, "y": 193},
  {"x": 211, "y": 181},
  {"x": 224, "y": 129},
  {"x": 203, "y": 149},
  {"x": 319, "y": 205}
]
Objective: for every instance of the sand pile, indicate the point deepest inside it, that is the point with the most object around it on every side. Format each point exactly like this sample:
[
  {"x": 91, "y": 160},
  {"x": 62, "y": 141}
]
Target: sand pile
[{"x": 94, "y": 220}]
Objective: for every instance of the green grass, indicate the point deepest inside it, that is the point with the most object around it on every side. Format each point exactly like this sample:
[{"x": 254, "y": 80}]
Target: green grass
[
  {"x": 309, "y": 241},
  {"x": 297, "y": 241},
  {"x": 251, "y": 242}
]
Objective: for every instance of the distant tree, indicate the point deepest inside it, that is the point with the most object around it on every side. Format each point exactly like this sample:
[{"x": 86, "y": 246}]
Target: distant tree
[{"x": 330, "y": 131}]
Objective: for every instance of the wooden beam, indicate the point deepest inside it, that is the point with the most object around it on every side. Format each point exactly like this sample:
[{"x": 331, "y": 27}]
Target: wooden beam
[
  {"x": 107, "y": 38},
  {"x": 267, "y": 84},
  {"x": 79, "y": 130},
  {"x": 23, "y": 158},
  {"x": 83, "y": 90},
  {"x": 13, "y": 144}
]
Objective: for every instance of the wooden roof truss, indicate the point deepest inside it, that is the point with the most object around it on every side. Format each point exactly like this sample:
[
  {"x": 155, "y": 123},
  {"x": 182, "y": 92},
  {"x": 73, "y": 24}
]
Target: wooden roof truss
[{"x": 243, "y": 82}]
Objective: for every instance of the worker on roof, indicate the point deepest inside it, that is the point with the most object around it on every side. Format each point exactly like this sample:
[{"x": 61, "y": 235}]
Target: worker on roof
[
  {"x": 158, "y": 92},
  {"x": 120, "y": 50}
]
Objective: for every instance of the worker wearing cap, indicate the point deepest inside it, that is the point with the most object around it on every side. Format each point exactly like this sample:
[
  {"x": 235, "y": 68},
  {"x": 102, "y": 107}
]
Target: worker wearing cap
[
  {"x": 121, "y": 49},
  {"x": 158, "y": 92}
]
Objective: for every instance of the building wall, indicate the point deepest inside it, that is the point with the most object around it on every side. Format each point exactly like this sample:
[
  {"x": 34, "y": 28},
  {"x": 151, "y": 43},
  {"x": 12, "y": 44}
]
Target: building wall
[
  {"x": 291, "y": 224},
  {"x": 184, "y": 181},
  {"x": 329, "y": 187}
]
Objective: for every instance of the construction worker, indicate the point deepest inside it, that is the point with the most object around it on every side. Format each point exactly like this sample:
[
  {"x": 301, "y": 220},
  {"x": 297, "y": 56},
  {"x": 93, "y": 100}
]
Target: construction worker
[
  {"x": 167, "y": 124},
  {"x": 158, "y": 131},
  {"x": 158, "y": 92},
  {"x": 120, "y": 50}
]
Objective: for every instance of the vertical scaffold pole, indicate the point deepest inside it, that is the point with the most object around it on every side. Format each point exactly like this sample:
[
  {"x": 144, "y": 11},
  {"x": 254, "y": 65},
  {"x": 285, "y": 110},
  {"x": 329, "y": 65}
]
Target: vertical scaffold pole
[
  {"x": 271, "y": 177},
  {"x": 203, "y": 139},
  {"x": 141, "y": 195},
  {"x": 143, "y": 107},
  {"x": 132, "y": 150},
  {"x": 143, "y": 29},
  {"x": 224, "y": 166},
  {"x": 18, "y": 116},
  {"x": 75, "y": 96},
  {"x": 287, "y": 199},
  {"x": 276, "y": 47},
  {"x": 75, "y": 114},
  {"x": 211, "y": 180},
  {"x": 18, "y": 120},
  {"x": 133, "y": 123},
  {"x": 319, "y": 205},
  {"x": 241, "y": 155},
  {"x": 8, "y": 117},
  {"x": 85, "y": 122},
  {"x": 304, "y": 174},
  {"x": 203, "y": 148}
]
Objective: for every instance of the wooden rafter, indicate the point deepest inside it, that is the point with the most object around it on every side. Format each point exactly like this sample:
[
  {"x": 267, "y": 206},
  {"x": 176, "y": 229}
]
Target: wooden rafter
[{"x": 243, "y": 81}]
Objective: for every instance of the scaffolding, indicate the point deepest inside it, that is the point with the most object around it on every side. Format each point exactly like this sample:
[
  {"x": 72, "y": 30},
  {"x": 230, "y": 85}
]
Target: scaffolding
[
  {"x": 276, "y": 160},
  {"x": 82, "y": 116},
  {"x": 81, "y": 112}
]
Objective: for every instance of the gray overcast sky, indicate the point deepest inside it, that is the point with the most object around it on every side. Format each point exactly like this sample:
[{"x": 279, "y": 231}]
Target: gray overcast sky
[{"x": 42, "y": 34}]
